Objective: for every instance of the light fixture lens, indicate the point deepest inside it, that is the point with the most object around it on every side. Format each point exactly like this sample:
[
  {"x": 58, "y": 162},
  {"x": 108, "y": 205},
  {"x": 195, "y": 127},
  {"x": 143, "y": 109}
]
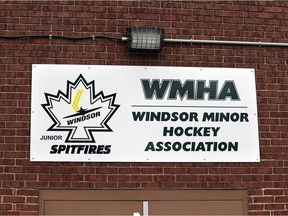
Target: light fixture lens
[{"x": 145, "y": 39}]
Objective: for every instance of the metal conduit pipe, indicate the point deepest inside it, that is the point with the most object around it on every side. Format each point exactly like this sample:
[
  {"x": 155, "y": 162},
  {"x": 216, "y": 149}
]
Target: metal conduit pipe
[{"x": 259, "y": 43}]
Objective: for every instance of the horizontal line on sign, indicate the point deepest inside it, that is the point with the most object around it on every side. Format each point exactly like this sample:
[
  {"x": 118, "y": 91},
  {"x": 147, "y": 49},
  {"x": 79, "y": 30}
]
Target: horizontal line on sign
[{"x": 238, "y": 107}]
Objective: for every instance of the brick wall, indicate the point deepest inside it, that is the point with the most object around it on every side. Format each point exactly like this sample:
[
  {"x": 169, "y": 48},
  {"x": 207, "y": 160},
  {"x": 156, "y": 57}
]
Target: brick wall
[{"x": 20, "y": 179}]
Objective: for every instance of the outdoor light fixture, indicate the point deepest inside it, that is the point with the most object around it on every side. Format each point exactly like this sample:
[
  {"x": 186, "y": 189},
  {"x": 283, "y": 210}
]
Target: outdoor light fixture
[{"x": 145, "y": 39}]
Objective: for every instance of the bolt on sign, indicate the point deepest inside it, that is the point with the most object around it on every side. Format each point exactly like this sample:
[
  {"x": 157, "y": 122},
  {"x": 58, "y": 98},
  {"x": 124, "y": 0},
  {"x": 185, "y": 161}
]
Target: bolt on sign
[{"x": 137, "y": 114}]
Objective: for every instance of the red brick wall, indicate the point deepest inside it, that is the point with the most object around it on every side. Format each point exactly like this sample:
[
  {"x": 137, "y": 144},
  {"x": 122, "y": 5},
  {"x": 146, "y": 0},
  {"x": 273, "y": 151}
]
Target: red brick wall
[{"x": 20, "y": 179}]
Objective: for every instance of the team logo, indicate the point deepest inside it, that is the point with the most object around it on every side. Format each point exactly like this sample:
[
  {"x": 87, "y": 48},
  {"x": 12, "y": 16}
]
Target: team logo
[{"x": 80, "y": 111}]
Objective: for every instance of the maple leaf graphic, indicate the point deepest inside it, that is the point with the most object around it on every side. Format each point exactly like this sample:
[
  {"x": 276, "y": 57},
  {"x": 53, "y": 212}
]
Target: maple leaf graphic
[{"x": 80, "y": 122}]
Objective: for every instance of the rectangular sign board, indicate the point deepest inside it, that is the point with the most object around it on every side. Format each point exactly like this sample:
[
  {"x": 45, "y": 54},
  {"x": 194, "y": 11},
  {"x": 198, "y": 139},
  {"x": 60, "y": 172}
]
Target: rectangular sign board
[{"x": 143, "y": 114}]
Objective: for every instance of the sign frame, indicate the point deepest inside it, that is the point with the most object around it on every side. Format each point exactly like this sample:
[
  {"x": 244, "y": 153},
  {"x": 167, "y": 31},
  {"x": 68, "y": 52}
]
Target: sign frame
[{"x": 95, "y": 113}]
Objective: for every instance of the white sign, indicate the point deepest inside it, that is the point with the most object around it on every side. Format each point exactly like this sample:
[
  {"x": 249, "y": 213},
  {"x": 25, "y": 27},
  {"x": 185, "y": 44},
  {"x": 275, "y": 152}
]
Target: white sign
[{"x": 138, "y": 114}]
